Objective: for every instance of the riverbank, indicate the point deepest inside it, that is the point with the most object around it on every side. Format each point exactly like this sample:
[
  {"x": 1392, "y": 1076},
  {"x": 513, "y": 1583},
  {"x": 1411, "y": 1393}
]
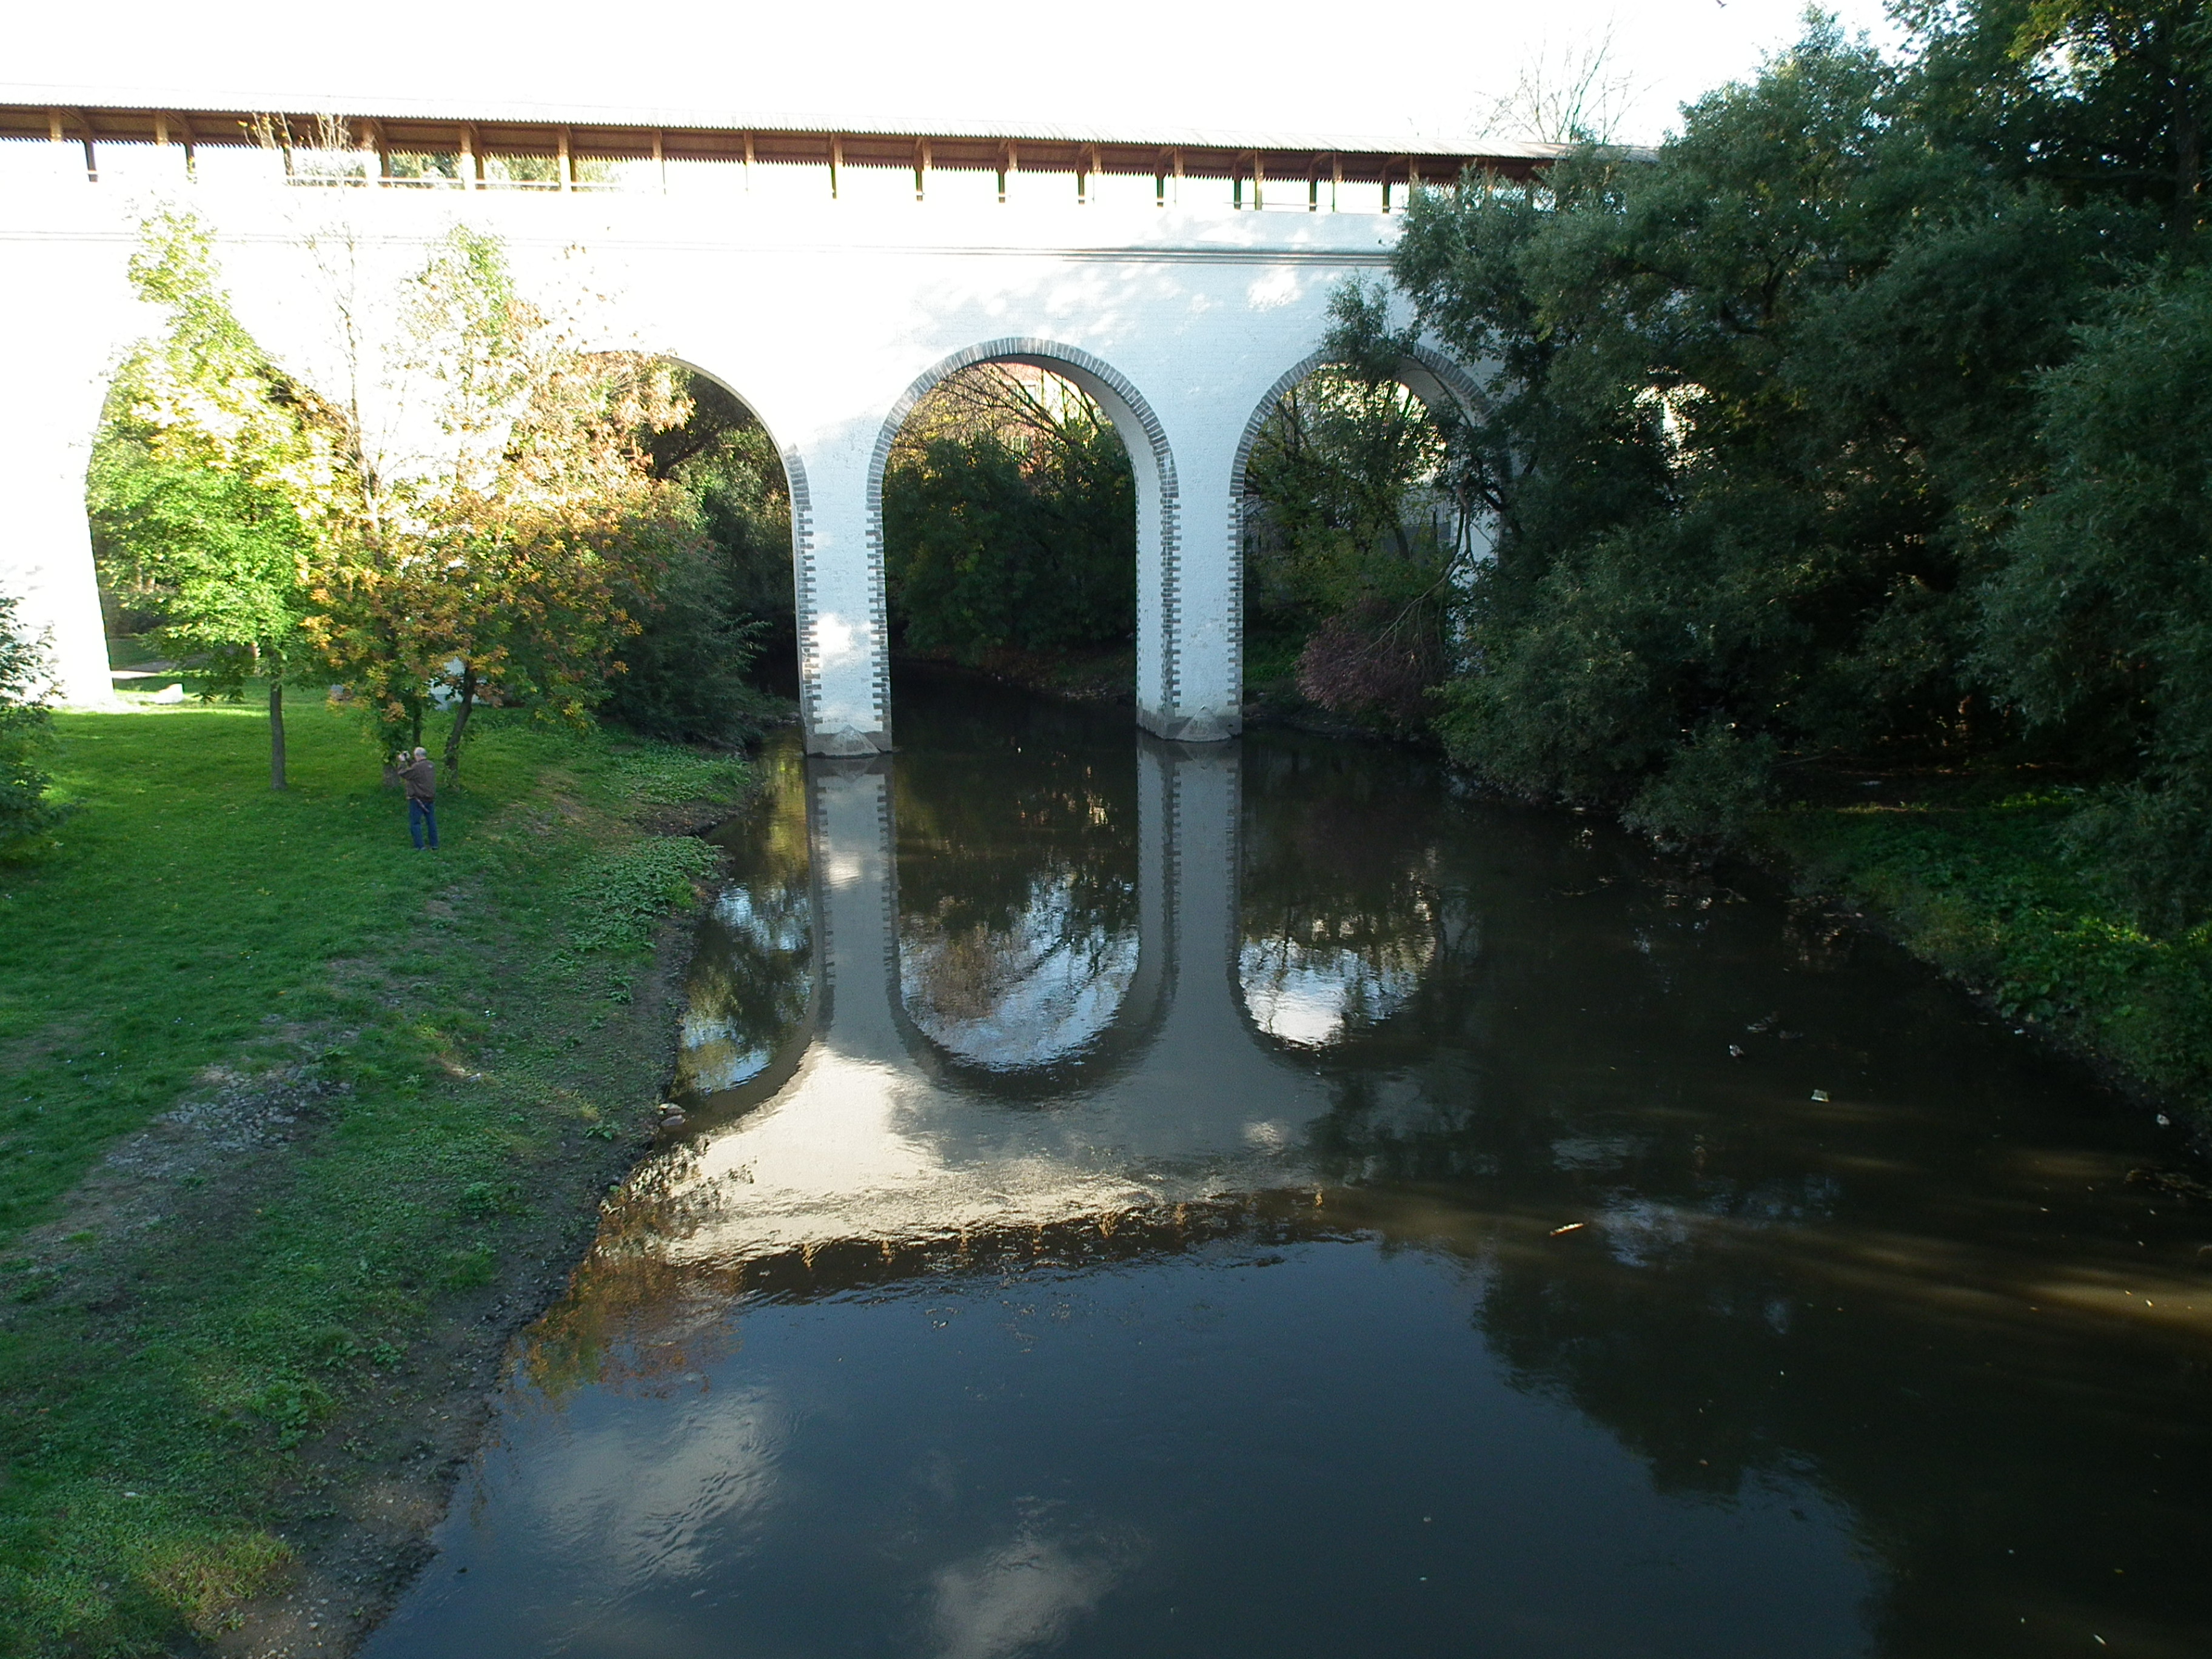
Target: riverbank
[
  {"x": 1969, "y": 875},
  {"x": 302, "y": 1125}
]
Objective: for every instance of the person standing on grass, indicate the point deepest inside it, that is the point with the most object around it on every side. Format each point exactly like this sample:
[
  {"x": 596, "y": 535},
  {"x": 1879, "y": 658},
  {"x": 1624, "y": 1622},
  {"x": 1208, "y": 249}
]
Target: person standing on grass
[{"x": 419, "y": 778}]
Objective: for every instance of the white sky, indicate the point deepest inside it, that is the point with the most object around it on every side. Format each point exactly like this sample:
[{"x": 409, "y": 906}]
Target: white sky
[{"x": 1426, "y": 68}]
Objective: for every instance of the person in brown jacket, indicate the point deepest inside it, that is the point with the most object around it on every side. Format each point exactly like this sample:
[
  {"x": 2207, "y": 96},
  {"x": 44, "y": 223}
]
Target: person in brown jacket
[{"x": 418, "y": 776}]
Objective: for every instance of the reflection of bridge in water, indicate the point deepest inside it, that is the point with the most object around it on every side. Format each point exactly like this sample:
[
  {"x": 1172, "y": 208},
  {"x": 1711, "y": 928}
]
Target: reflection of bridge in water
[{"x": 1165, "y": 1092}]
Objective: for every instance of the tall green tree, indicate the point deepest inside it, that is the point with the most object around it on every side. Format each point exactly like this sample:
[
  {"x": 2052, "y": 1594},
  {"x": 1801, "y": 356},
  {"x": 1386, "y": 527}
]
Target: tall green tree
[
  {"x": 726, "y": 599},
  {"x": 2100, "y": 628},
  {"x": 213, "y": 476},
  {"x": 2088, "y": 97},
  {"x": 1761, "y": 411}
]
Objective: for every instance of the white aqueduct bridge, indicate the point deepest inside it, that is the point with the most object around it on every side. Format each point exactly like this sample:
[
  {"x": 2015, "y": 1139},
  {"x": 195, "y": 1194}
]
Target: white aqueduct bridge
[{"x": 829, "y": 280}]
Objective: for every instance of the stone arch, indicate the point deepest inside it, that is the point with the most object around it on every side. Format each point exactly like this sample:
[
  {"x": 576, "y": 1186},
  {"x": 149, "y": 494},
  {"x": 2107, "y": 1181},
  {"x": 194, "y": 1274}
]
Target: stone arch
[
  {"x": 1428, "y": 374},
  {"x": 802, "y": 543},
  {"x": 1159, "y": 564}
]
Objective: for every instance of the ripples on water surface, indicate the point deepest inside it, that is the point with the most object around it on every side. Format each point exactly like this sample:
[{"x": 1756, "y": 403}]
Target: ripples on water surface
[{"x": 1249, "y": 1199}]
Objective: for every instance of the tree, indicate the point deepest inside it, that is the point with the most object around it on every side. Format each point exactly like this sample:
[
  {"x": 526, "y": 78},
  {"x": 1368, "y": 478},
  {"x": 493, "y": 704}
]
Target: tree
[
  {"x": 725, "y": 598},
  {"x": 212, "y": 475},
  {"x": 1356, "y": 528},
  {"x": 1760, "y": 411},
  {"x": 512, "y": 556},
  {"x": 2100, "y": 628},
  {"x": 2089, "y": 97},
  {"x": 1576, "y": 95},
  {"x": 24, "y": 731}
]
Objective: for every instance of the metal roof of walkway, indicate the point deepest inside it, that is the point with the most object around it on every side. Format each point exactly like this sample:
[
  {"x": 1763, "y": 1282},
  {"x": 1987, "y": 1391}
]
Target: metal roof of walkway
[{"x": 399, "y": 127}]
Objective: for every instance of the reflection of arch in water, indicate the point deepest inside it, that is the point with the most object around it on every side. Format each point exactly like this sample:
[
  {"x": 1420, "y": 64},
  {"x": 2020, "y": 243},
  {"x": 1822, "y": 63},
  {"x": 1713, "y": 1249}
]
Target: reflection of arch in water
[
  {"x": 1187, "y": 797},
  {"x": 1310, "y": 998},
  {"x": 1342, "y": 916},
  {"x": 1115, "y": 1032},
  {"x": 1114, "y": 1044}
]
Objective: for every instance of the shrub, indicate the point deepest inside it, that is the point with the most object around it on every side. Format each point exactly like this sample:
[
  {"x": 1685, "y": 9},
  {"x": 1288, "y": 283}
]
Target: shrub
[{"x": 26, "y": 734}]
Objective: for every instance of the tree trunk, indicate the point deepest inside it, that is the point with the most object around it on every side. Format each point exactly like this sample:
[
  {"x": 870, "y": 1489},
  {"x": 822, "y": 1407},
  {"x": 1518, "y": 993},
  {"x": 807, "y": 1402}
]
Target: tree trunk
[
  {"x": 460, "y": 723},
  {"x": 276, "y": 734}
]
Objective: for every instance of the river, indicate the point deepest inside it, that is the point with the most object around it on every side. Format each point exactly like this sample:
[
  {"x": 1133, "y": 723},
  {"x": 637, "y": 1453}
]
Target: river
[{"x": 1262, "y": 1199}]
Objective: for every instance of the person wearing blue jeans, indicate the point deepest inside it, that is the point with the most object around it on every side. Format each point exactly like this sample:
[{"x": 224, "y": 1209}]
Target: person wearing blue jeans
[{"x": 418, "y": 776}]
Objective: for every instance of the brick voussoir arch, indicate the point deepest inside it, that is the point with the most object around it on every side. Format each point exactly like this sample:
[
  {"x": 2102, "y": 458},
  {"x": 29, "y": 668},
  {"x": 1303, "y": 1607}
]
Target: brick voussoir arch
[
  {"x": 1053, "y": 355},
  {"x": 1452, "y": 377}
]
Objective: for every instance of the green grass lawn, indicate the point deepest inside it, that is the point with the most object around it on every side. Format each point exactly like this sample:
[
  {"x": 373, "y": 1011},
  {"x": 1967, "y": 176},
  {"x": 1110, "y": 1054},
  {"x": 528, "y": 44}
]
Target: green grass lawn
[
  {"x": 405, "y": 1067},
  {"x": 1979, "y": 888}
]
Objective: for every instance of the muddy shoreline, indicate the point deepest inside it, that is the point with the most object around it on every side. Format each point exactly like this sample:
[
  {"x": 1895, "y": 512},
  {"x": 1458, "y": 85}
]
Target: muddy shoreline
[{"x": 362, "y": 1524}]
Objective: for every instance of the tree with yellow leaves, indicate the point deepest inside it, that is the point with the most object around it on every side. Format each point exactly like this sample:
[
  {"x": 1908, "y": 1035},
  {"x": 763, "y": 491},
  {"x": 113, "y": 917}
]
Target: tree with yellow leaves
[{"x": 513, "y": 559}]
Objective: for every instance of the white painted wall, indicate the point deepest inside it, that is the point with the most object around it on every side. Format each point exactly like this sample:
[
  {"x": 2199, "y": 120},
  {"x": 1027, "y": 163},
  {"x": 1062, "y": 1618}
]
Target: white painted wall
[{"x": 828, "y": 319}]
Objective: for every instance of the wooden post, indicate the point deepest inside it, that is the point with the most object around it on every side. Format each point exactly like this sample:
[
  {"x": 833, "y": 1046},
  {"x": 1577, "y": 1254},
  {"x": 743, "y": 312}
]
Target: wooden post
[
  {"x": 567, "y": 163},
  {"x": 837, "y": 161},
  {"x": 1010, "y": 163},
  {"x": 191, "y": 157},
  {"x": 1160, "y": 180},
  {"x": 1336, "y": 177},
  {"x": 1258, "y": 183},
  {"x": 465, "y": 164},
  {"x": 921, "y": 167},
  {"x": 92, "y": 161},
  {"x": 749, "y": 164},
  {"x": 660, "y": 159}
]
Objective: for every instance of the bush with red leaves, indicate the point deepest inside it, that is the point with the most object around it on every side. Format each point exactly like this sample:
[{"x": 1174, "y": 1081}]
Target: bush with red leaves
[{"x": 1377, "y": 660}]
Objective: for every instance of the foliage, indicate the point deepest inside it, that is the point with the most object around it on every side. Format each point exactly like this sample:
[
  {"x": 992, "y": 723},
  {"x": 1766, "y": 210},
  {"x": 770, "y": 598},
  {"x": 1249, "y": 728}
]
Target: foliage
[
  {"x": 2090, "y": 97},
  {"x": 2102, "y": 623},
  {"x": 1351, "y": 530},
  {"x": 211, "y": 475},
  {"x": 724, "y": 598},
  {"x": 26, "y": 734},
  {"x": 1986, "y": 892},
  {"x": 1009, "y": 519},
  {"x": 663, "y": 775},
  {"x": 511, "y": 560},
  {"x": 620, "y": 896},
  {"x": 1762, "y": 413}
]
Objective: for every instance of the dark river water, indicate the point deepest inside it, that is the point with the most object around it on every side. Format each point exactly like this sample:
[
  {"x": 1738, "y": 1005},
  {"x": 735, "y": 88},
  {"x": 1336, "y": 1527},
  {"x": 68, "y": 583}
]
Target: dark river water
[{"x": 1257, "y": 1199}]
